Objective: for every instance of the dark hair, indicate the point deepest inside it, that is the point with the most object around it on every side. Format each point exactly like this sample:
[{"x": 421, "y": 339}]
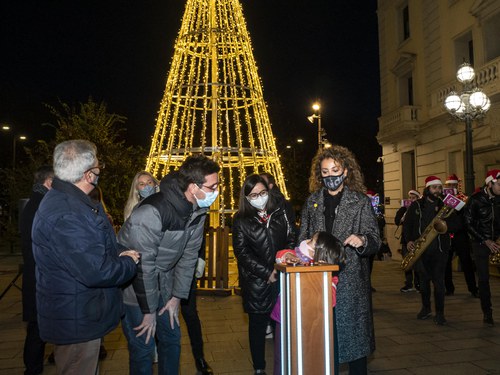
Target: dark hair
[
  {"x": 195, "y": 169},
  {"x": 346, "y": 159},
  {"x": 245, "y": 208},
  {"x": 269, "y": 177},
  {"x": 42, "y": 174},
  {"x": 328, "y": 248}
]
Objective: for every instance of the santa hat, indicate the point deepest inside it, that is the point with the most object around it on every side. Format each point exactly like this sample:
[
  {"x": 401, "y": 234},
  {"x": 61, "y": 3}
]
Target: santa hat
[
  {"x": 432, "y": 180},
  {"x": 492, "y": 176},
  {"x": 414, "y": 192},
  {"x": 452, "y": 179},
  {"x": 370, "y": 193}
]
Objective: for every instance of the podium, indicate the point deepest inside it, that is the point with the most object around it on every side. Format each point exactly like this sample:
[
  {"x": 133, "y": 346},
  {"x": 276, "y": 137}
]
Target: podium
[{"x": 307, "y": 344}]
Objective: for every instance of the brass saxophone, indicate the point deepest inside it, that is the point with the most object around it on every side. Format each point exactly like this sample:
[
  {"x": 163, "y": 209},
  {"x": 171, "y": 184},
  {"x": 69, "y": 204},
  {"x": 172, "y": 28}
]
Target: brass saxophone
[
  {"x": 495, "y": 257},
  {"x": 435, "y": 227}
]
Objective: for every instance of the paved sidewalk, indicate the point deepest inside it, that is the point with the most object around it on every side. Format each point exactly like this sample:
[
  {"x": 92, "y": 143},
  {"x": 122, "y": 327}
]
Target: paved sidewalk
[{"x": 405, "y": 345}]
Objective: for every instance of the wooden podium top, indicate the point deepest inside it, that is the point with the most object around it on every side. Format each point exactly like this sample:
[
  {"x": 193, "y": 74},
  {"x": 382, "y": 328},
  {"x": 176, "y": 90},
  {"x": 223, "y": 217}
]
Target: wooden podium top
[{"x": 322, "y": 267}]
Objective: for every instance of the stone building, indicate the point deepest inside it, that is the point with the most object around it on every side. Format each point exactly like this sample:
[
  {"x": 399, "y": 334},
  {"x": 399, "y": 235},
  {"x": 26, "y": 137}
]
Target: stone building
[{"x": 422, "y": 44}]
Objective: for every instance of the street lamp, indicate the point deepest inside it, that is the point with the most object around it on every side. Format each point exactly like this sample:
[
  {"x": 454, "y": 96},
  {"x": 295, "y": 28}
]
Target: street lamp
[
  {"x": 467, "y": 106},
  {"x": 317, "y": 115}
]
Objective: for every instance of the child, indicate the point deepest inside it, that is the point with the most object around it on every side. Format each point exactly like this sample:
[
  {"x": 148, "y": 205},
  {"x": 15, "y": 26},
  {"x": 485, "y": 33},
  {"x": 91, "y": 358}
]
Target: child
[{"x": 323, "y": 247}]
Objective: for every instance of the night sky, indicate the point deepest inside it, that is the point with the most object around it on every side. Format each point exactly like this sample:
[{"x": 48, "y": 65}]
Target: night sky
[{"x": 120, "y": 52}]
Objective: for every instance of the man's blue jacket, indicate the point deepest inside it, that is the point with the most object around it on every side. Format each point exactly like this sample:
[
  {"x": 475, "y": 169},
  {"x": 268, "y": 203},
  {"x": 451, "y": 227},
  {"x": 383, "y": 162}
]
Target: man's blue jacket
[{"x": 78, "y": 270}]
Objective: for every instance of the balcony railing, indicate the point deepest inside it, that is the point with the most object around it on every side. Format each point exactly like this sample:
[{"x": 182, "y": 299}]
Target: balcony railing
[{"x": 401, "y": 122}]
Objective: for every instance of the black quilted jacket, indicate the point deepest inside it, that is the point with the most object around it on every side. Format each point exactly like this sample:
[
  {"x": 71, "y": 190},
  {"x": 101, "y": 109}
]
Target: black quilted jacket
[{"x": 255, "y": 244}]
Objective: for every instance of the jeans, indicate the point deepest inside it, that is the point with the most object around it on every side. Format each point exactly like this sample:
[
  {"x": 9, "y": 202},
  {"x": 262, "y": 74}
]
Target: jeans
[{"x": 141, "y": 354}]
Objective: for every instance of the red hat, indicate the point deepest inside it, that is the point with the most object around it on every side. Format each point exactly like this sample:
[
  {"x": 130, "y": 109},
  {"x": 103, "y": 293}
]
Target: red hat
[
  {"x": 452, "y": 179},
  {"x": 414, "y": 192},
  {"x": 492, "y": 176},
  {"x": 432, "y": 180},
  {"x": 370, "y": 193}
]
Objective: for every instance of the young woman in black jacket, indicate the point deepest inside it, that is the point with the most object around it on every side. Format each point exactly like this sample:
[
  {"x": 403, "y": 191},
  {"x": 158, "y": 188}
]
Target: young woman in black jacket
[{"x": 260, "y": 228}]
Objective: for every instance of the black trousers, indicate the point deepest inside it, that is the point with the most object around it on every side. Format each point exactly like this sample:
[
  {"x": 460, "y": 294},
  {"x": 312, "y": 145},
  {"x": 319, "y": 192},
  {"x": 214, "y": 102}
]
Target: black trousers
[
  {"x": 190, "y": 314},
  {"x": 431, "y": 267},
  {"x": 257, "y": 324},
  {"x": 482, "y": 259},
  {"x": 34, "y": 350},
  {"x": 460, "y": 245}
]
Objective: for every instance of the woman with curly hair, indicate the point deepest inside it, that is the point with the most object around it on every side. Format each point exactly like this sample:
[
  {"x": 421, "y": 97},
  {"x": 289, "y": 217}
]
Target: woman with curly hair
[{"x": 339, "y": 206}]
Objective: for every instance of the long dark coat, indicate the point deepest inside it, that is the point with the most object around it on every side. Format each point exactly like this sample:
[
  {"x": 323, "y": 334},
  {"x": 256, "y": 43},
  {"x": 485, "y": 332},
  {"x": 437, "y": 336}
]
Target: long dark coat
[{"x": 353, "y": 312}]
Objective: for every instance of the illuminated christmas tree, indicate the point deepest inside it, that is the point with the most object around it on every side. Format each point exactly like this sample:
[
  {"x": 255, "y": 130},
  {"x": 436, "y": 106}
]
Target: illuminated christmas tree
[{"x": 213, "y": 103}]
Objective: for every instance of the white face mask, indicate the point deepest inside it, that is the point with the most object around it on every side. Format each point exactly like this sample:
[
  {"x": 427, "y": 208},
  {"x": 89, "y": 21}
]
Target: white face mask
[{"x": 259, "y": 203}]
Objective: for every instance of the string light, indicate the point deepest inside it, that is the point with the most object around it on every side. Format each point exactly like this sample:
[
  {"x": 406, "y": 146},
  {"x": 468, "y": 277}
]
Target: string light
[{"x": 213, "y": 103}]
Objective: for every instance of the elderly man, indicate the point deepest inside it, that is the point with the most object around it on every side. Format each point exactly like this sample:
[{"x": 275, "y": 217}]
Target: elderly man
[
  {"x": 79, "y": 265},
  {"x": 481, "y": 216},
  {"x": 167, "y": 228}
]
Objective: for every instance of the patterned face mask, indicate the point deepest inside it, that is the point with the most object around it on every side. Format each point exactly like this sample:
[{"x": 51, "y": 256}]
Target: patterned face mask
[{"x": 332, "y": 183}]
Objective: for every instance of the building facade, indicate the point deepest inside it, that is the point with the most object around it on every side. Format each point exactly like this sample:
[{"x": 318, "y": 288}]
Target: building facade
[{"x": 422, "y": 44}]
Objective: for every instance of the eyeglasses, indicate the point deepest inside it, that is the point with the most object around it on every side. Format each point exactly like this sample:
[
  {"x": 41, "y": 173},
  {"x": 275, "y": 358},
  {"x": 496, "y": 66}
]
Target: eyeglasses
[
  {"x": 254, "y": 196},
  {"x": 101, "y": 166},
  {"x": 212, "y": 188}
]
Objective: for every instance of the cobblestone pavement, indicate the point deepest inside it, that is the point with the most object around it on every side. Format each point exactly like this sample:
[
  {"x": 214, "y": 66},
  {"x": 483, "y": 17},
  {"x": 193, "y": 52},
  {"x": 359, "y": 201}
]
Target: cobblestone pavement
[{"x": 405, "y": 345}]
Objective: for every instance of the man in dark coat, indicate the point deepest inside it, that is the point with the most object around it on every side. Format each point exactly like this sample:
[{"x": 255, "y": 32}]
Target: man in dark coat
[
  {"x": 79, "y": 265},
  {"x": 34, "y": 346},
  {"x": 482, "y": 217},
  {"x": 432, "y": 263}
]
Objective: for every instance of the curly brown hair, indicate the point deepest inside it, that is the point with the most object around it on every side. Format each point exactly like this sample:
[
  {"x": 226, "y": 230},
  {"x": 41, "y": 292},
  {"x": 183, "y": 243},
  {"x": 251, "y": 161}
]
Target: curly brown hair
[{"x": 346, "y": 159}]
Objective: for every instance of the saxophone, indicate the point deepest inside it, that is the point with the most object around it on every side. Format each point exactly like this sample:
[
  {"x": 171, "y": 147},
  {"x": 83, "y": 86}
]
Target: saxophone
[
  {"x": 495, "y": 257},
  {"x": 435, "y": 227}
]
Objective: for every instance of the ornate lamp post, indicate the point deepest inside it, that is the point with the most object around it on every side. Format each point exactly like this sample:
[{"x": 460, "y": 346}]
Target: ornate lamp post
[
  {"x": 317, "y": 115},
  {"x": 469, "y": 105}
]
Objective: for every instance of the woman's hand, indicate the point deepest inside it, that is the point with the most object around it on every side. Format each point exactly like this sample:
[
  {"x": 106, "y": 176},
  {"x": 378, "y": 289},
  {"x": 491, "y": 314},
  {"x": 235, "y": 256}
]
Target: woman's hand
[
  {"x": 355, "y": 240},
  {"x": 272, "y": 278},
  {"x": 289, "y": 258},
  {"x": 133, "y": 254}
]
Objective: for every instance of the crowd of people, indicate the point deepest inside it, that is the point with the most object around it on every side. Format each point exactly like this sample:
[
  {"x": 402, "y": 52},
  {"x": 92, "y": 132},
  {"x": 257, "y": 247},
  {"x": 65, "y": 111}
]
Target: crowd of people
[{"x": 81, "y": 278}]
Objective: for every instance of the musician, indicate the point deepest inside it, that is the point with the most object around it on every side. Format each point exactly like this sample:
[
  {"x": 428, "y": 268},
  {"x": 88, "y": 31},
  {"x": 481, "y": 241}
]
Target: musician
[
  {"x": 411, "y": 276},
  {"x": 460, "y": 245},
  {"x": 482, "y": 216},
  {"x": 432, "y": 263}
]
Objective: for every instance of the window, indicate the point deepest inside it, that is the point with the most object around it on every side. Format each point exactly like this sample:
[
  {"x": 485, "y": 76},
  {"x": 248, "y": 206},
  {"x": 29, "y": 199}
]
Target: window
[
  {"x": 491, "y": 30},
  {"x": 464, "y": 49},
  {"x": 404, "y": 22},
  {"x": 408, "y": 172},
  {"x": 406, "y": 89}
]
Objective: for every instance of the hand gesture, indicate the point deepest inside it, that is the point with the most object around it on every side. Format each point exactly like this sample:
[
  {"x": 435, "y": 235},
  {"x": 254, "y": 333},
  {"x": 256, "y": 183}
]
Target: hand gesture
[
  {"x": 147, "y": 326},
  {"x": 355, "y": 241},
  {"x": 172, "y": 307},
  {"x": 272, "y": 278},
  {"x": 133, "y": 254},
  {"x": 492, "y": 245}
]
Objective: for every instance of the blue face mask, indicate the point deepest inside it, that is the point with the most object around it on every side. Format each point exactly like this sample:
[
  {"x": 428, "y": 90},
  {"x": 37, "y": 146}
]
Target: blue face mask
[
  {"x": 332, "y": 183},
  {"x": 147, "y": 191},
  {"x": 208, "y": 200}
]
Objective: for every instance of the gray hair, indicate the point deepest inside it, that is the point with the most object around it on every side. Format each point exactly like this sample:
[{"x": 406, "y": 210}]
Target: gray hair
[{"x": 72, "y": 158}]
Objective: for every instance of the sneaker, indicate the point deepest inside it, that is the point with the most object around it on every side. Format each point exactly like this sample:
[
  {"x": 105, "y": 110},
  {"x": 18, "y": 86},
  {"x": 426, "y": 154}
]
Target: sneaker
[
  {"x": 488, "y": 319},
  {"x": 406, "y": 289},
  {"x": 424, "y": 313},
  {"x": 260, "y": 372},
  {"x": 269, "y": 332},
  {"x": 439, "y": 319}
]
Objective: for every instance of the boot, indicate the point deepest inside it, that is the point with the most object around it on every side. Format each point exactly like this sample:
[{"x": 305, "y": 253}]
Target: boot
[
  {"x": 488, "y": 319},
  {"x": 203, "y": 367}
]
